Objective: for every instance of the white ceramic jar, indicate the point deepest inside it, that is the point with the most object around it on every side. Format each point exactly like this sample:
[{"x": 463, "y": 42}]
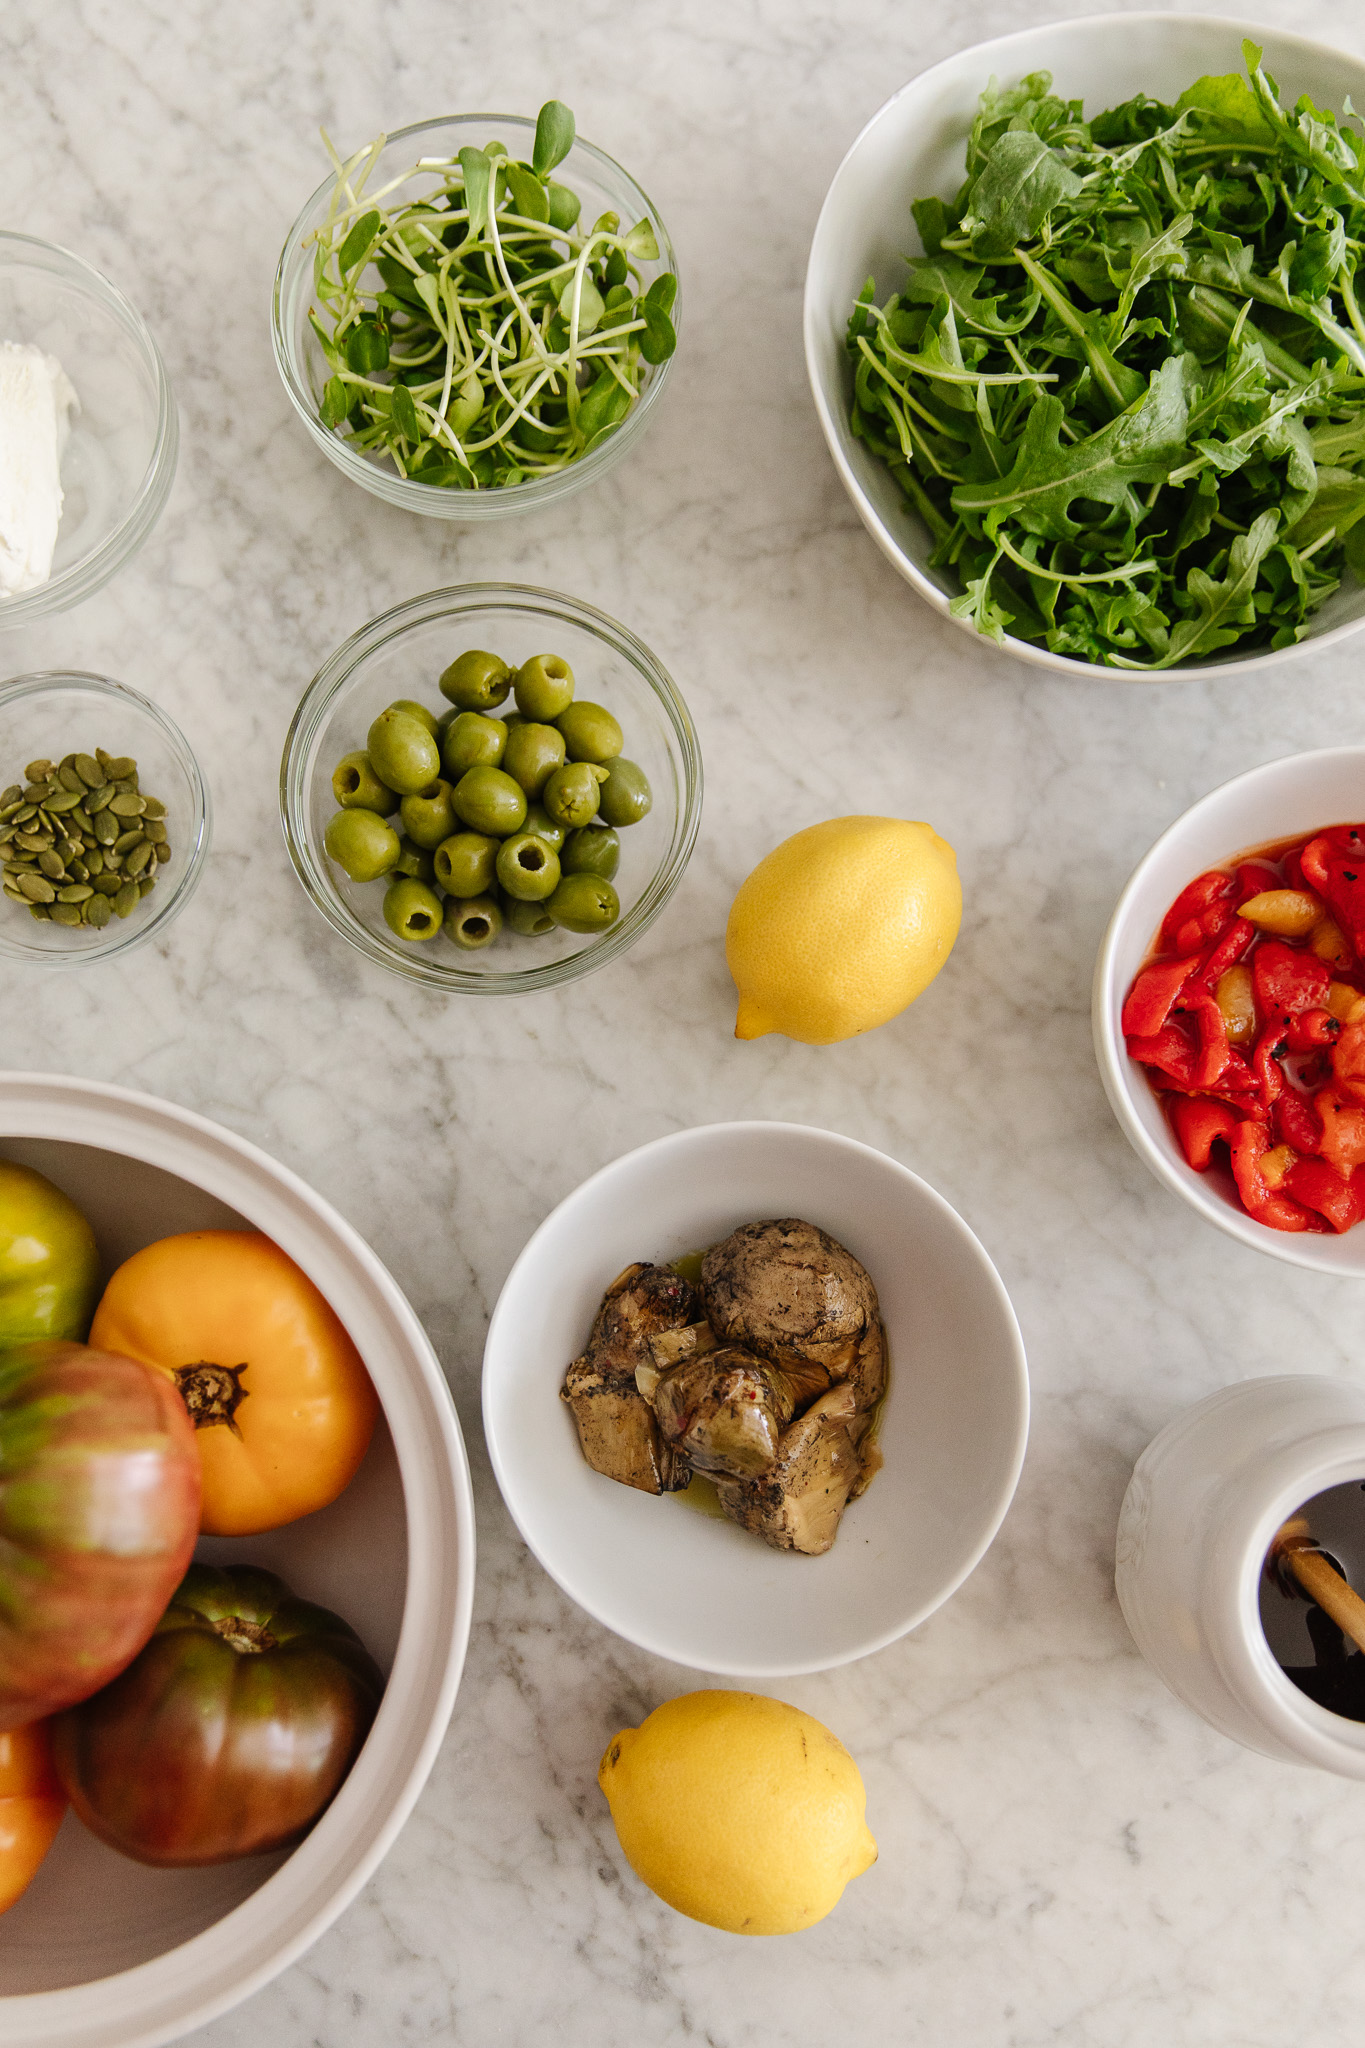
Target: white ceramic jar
[{"x": 1201, "y": 1510}]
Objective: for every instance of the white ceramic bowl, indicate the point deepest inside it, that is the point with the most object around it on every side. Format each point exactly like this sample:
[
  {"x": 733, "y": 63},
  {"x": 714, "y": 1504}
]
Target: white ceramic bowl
[
  {"x": 1283, "y": 799},
  {"x": 702, "y": 1591},
  {"x": 1202, "y": 1507},
  {"x": 913, "y": 147},
  {"x": 104, "y": 1953}
]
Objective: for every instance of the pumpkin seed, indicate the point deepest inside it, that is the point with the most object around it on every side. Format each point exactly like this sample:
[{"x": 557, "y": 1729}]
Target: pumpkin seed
[
  {"x": 69, "y": 779},
  {"x": 65, "y": 913},
  {"x": 37, "y": 888},
  {"x": 96, "y": 912},
  {"x": 108, "y": 885},
  {"x": 126, "y": 841},
  {"x": 89, "y": 770},
  {"x": 138, "y": 859},
  {"x": 146, "y": 885},
  {"x": 118, "y": 767},
  {"x": 153, "y": 829},
  {"x": 78, "y": 870},
  {"x": 57, "y": 806},
  {"x": 128, "y": 805},
  {"x": 52, "y": 866},
  {"x": 162, "y": 850},
  {"x": 105, "y": 829},
  {"x": 75, "y": 892},
  {"x": 126, "y": 900},
  {"x": 24, "y": 813},
  {"x": 39, "y": 771},
  {"x": 38, "y": 910},
  {"x": 98, "y": 798}
]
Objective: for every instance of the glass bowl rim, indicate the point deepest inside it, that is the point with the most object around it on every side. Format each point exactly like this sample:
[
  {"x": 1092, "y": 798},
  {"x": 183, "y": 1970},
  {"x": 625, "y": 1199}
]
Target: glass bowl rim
[
  {"x": 327, "y": 688},
  {"x": 15, "y": 688},
  {"x": 433, "y": 499},
  {"x": 93, "y": 571}
]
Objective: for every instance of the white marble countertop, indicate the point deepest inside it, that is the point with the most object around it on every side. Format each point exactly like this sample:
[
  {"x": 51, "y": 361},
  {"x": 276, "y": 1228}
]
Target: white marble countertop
[{"x": 1067, "y": 1854}]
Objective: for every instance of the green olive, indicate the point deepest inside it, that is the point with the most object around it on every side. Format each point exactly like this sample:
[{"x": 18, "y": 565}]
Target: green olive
[
  {"x": 356, "y": 787},
  {"x": 592, "y": 850},
  {"x": 543, "y": 686},
  {"x": 528, "y": 868},
  {"x": 411, "y": 910},
  {"x": 420, "y": 712},
  {"x": 511, "y": 718},
  {"x": 473, "y": 924},
  {"x": 402, "y": 752},
  {"x": 590, "y": 732},
  {"x": 476, "y": 681},
  {"x": 465, "y": 863},
  {"x": 427, "y": 817},
  {"x": 415, "y": 862},
  {"x": 362, "y": 844},
  {"x": 531, "y": 920},
  {"x": 472, "y": 741},
  {"x": 533, "y": 754},
  {"x": 488, "y": 801},
  {"x": 573, "y": 793},
  {"x": 584, "y": 903},
  {"x": 539, "y": 821},
  {"x": 626, "y": 794}
]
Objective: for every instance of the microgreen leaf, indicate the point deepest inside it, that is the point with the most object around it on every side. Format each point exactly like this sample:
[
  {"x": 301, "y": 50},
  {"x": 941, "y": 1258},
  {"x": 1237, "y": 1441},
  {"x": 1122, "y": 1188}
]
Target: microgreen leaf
[
  {"x": 405, "y": 414},
  {"x": 554, "y": 137},
  {"x": 367, "y": 347},
  {"x": 658, "y": 340},
  {"x": 642, "y": 243},
  {"x": 359, "y": 241},
  {"x": 529, "y": 197},
  {"x": 477, "y": 171},
  {"x": 663, "y": 292},
  {"x": 565, "y": 206},
  {"x": 578, "y": 289},
  {"x": 336, "y": 402}
]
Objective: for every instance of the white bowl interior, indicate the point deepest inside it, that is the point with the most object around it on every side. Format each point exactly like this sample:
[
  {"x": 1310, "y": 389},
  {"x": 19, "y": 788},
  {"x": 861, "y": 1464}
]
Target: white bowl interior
[
  {"x": 102, "y": 1953},
  {"x": 914, "y": 146},
  {"x": 700, "y": 1590},
  {"x": 1283, "y": 799}
]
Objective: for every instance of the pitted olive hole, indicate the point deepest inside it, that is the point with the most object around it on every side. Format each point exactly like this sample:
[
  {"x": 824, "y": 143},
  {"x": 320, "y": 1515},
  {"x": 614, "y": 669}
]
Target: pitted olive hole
[
  {"x": 349, "y": 778},
  {"x": 419, "y": 921},
  {"x": 477, "y": 927},
  {"x": 245, "y": 1636},
  {"x": 531, "y": 858},
  {"x": 212, "y": 1393}
]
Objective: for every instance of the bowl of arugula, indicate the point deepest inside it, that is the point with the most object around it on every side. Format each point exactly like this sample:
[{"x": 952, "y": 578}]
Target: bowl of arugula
[{"x": 1090, "y": 360}]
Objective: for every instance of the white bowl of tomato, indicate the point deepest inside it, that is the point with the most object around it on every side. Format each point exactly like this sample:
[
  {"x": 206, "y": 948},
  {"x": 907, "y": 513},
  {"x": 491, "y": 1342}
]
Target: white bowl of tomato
[
  {"x": 141, "y": 1943},
  {"x": 1229, "y": 1009}
]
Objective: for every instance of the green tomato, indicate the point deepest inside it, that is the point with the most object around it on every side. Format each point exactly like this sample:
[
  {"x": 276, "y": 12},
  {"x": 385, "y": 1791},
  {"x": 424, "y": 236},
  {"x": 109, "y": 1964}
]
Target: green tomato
[{"x": 49, "y": 1267}]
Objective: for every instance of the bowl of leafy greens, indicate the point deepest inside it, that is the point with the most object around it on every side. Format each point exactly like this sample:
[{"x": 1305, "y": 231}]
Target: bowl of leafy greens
[
  {"x": 1085, "y": 328},
  {"x": 474, "y": 316}
]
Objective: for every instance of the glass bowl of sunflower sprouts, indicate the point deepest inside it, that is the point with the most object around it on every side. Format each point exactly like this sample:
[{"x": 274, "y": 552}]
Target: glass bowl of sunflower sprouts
[{"x": 475, "y": 315}]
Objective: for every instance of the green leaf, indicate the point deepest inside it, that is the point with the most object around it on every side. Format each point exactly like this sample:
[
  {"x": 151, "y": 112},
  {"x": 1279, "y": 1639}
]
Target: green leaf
[
  {"x": 602, "y": 405},
  {"x": 1141, "y": 446},
  {"x": 1319, "y": 257},
  {"x": 529, "y": 197},
  {"x": 336, "y": 402},
  {"x": 663, "y": 292},
  {"x": 554, "y": 137},
  {"x": 367, "y": 347},
  {"x": 578, "y": 289},
  {"x": 405, "y": 414},
  {"x": 359, "y": 241},
  {"x": 477, "y": 171},
  {"x": 641, "y": 242},
  {"x": 1021, "y": 183},
  {"x": 935, "y": 277},
  {"x": 1313, "y": 140},
  {"x": 1224, "y": 608},
  {"x": 658, "y": 341},
  {"x": 1232, "y": 108},
  {"x": 565, "y": 206},
  {"x": 933, "y": 221},
  {"x": 466, "y": 403},
  {"x": 1338, "y": 505}
]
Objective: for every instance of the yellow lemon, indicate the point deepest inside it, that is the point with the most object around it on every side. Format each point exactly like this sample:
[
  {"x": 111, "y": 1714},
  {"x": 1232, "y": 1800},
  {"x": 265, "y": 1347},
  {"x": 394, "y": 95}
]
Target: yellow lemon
[
  {"x": 840, "y": 927},
  {"x": 738, "y": 1811}
]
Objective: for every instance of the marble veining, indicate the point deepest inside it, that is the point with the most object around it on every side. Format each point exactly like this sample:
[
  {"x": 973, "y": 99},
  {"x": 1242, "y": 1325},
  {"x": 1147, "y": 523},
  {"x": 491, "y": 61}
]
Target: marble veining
[{"x": 1067, "y": 1855}]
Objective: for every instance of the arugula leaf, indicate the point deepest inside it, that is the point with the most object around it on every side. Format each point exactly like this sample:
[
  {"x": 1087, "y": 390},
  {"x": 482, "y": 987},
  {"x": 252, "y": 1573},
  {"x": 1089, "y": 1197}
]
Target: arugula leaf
[
  {"x": 947, "y": 277},
  {"x": 1223, "y": 607},
  {"x": 1021, "y": 183}
]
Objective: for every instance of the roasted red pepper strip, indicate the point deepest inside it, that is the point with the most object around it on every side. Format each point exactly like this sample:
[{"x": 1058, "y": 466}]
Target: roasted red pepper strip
[
  {"x": 1297, "y": 1123},
  {"x": 1199, "y": 1124},
  {"x": 1213, "y": 1040},
  {"x": 1200, "y": 896},
  {"x": 1151, "y": 996},
  {"x": 1210, "y": 924},
  {"x": 1254, "y": 877},
  {"x": 1170, "y": 1052},
  {"x": 1287, "y": 980},
  {"x": 1334, "y": 865},
  {"x": 1312, "y": 1182},
  {"x": 1249, "y": 1144},
  {"x": 1228, "y": 951},
  {"x": 1311, "y": 1030},
  {"x": 1348, "y": 1062}
]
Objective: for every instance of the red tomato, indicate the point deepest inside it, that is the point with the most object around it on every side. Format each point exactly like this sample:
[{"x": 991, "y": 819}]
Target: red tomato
[
  {"x": 99, "y": 1510},
  {"x": 32, "y": 1803}
]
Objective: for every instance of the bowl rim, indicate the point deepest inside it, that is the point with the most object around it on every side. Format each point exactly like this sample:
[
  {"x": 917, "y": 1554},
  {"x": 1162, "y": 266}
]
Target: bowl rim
[
  {"x": 122, "y": 941},
  {"x": 433, "y": 500},
  {"x": 328, "y": 686},
  {"x": 653, "y": 1640},
  {"x": 1122, "y": 1079},
  {"x": 149, "y": 2003},
  {"x": 813, "y": 311},
  {"x": 73, "y": 585}
]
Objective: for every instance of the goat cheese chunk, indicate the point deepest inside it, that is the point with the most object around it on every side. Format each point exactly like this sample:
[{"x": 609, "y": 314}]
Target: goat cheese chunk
[{"x": 36, "y": 401}]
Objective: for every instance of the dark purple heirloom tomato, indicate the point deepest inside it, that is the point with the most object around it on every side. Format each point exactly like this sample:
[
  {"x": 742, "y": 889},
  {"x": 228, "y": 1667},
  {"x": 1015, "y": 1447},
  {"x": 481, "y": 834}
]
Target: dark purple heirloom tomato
[{"x": 230, "y": 1732}]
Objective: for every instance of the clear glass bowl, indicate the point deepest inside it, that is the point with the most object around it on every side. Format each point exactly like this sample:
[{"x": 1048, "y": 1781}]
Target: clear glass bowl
[
  {"x": 601, "y": 184},
  {"x": 120, "y": 456},
  {"x": 401, "y": 654},
  {"x": 58, "y": 712}
]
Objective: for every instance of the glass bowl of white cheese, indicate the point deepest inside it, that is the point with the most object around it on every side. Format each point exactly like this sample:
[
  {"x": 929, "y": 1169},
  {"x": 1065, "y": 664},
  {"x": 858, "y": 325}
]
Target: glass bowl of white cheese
[{"x": 88, "y": 434}]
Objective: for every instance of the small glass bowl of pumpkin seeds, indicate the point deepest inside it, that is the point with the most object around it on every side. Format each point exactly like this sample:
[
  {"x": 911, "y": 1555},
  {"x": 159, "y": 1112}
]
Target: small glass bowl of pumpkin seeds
[{"x": 104, "y": 819}]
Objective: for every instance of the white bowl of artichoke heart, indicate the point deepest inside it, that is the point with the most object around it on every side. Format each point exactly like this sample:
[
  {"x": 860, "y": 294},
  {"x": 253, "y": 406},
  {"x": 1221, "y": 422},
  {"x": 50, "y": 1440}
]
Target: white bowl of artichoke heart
[{"x": 756, "y": 1398}]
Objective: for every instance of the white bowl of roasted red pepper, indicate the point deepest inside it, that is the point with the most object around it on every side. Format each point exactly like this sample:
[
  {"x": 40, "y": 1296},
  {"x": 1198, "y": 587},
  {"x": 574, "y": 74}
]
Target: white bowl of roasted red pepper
[
  {"x": 1229, "y": 1008},
  {"x": 195, "y": 1860}
]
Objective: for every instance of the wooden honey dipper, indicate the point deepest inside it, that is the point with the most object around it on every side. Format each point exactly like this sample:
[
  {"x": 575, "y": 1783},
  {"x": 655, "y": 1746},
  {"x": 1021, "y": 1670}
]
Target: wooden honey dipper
[{"x": 1295, "y": 1549}]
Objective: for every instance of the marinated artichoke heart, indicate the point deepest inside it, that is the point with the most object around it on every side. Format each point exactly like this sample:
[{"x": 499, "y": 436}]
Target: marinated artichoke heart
[
  {"x": 725, "y": 1410},
  {"x": 616, "y": 1424},
  {"x": 786, "y": 1290},
  {"x": 796, "y": 1504}
]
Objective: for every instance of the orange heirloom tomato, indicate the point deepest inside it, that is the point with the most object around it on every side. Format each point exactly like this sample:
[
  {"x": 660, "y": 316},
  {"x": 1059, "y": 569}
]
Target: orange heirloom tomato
[
  {"x": 32, "y": 1803},
  {"x": 283, "y": 1409}
]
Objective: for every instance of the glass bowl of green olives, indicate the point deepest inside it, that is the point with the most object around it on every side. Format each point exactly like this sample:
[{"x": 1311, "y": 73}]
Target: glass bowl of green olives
[{"x": 491, "y": 789}]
